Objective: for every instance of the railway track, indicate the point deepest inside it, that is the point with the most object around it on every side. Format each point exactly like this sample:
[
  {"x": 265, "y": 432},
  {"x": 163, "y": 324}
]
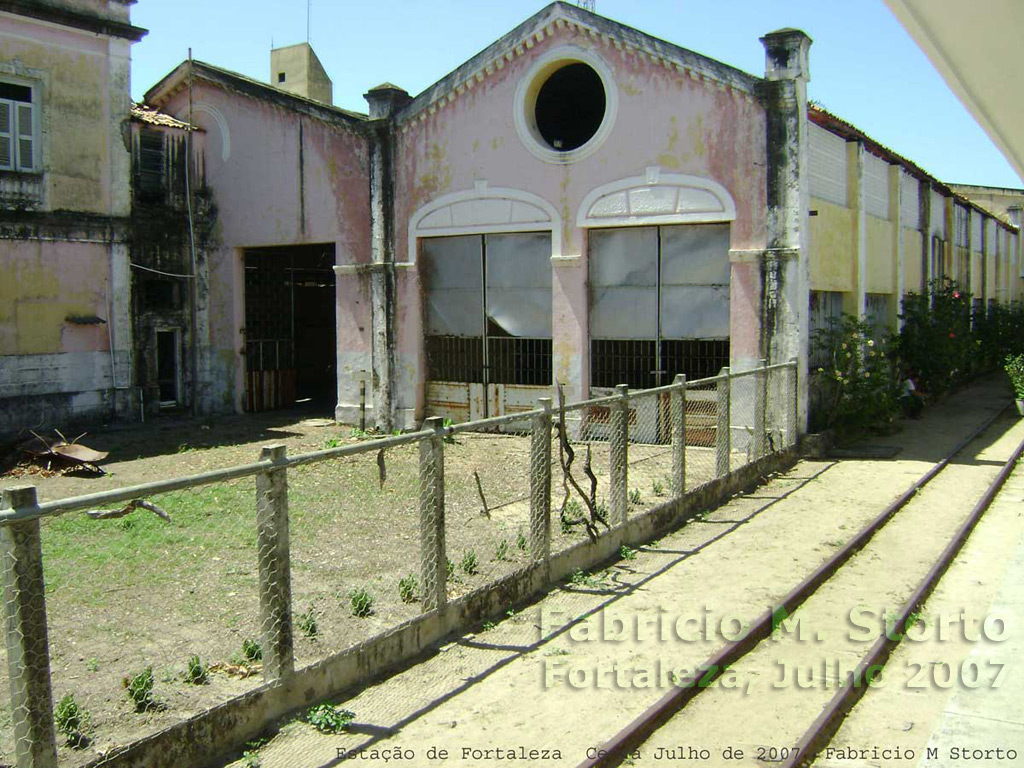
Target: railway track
[{"x": 776, "y": 695}]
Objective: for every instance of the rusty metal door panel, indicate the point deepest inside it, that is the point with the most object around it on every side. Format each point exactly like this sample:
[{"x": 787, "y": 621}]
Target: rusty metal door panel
[
  {"x": 478, "y": 402},
  {"x": 448, "y": 399},
  {"x": 518, "y": 398}
]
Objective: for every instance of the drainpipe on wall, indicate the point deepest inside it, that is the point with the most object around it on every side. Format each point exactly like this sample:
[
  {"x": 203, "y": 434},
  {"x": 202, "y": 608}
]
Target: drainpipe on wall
[
  {"x": 786, "y": 271},
  {"x": 385, "y": 101}
]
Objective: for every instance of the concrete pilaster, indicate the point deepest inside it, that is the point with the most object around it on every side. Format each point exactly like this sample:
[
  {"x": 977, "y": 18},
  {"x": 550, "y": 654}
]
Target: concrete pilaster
[
  {"x": 896, "y": 217},
  {"x": 924, "y": 195},
  {"x": 949, "y": 263},
  {"x": 786, "y": 299},
  {"x": 384, "y": 101},
  {"x": 856, "y": 303}
]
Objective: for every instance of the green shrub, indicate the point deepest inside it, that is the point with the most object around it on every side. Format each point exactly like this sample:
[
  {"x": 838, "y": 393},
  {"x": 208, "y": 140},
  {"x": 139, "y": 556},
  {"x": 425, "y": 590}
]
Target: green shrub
[
  {"x": 1014, "y": 367},
  {"x": 329, "y": 719},
  {"x": 855, "y": 384},
  {"x": 935, "y": 344}
]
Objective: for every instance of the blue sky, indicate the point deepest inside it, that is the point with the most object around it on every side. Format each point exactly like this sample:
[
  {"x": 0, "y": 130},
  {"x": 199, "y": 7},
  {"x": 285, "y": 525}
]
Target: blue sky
[{"x": 864, "y": 67}]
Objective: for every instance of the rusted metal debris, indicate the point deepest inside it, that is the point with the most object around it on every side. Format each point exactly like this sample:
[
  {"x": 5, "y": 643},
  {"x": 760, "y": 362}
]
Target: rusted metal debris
[{"x": 64, "y": 453}]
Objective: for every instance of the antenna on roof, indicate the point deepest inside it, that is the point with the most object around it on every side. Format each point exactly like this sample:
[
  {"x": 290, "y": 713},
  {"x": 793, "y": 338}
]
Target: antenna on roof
[{"x": 587, "y": 5}]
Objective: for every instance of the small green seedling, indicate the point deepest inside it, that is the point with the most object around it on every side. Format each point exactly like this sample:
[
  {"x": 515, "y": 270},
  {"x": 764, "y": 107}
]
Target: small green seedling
[
  {"x": 470, "y": 566},
  {"x": 139, "y": 686},
  {"x": 329, "y": 719},
  {"x": 360, "y": 602},
  {"x": 521, "y": 543},
  {"x": 658, "y": 488},
  {"x": 627, "y": 553},
  {"x": 408, "y": 589},
  {"x": 502, "y": 551},
  {"x": 488, "y": 626},
  {"x": 634, "y": 496},
  {"x": 252, "y": 650},
  {"x": 72, "y": 721},
  {"x": 308, "y": 624},
  {"x": 450, "y": 568},
  {"x": 196, "y": 672}
]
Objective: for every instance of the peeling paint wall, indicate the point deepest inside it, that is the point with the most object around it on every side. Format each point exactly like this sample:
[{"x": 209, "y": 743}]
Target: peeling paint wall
[
  {"x": 676, "y": 120},
  {"x": 833, "y": 258},
  {"x": 65, "y": 329},
  {"x": 278, "y": 178},
  {"x": 913, "y": 275},
  {"x": 74, "y": 73},
  {"x": 881, "y": 256}
]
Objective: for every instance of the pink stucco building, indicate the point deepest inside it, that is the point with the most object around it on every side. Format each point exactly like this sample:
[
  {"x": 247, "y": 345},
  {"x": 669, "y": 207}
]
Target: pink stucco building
[{"x": 579, "y": 203}]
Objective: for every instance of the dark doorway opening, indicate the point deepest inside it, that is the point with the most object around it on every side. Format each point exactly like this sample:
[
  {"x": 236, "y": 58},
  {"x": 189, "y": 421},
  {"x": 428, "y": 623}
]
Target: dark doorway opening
[
  {"x": 168, "y": 368},
  {"x": 290, "y": 348}
]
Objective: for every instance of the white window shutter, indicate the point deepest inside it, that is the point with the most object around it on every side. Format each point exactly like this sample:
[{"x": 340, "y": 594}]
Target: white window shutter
[
  {"x": 6, "y": 135},
  {"x": 26, "y": 138}
]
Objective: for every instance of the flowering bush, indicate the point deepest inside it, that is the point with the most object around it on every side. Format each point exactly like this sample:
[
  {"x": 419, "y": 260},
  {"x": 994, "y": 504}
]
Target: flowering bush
[
  {"x": 936, "y": 340},
  {"x": 855, "y": 386},
  {"x": 998, "y": 333}
]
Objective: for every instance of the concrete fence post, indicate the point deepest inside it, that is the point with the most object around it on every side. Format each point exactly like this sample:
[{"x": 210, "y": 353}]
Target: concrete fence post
[
  {"x": 433, "y": 559},
  {"x": 722, "y": 437},
  {"x": 618, "y": 448},
  {"x": 28, "y": 647},
  {"x": 678, "y": 416},
  {"x": 760, "y": 402},
  {"x": 792, "y": 402},
  {"x": 540, "y": 483},
  {"x": 272, "y": 541}
]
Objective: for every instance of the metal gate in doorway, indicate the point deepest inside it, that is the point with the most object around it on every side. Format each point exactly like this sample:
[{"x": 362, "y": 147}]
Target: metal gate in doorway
[
  {"x": 487, "y": 323},
  {"x": 290, "y": 351}
]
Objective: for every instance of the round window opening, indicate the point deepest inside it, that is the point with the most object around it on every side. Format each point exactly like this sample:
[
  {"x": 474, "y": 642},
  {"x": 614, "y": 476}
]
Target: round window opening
[{"x": 570, "y": 107}]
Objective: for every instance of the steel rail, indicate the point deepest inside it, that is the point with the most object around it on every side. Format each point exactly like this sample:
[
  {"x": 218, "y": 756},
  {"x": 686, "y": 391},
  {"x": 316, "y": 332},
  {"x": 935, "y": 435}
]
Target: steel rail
[
  {"x": 613, "y": 751},
  {"x": 827, "y": 723}
]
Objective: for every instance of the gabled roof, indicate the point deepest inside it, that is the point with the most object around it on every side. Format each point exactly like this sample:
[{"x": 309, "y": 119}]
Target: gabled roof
[
  {"x": 177, "y": 79},
  {"x": 559, "y": 15}
]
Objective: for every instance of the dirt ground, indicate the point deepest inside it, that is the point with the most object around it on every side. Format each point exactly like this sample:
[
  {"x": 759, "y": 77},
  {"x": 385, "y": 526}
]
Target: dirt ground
[
  {"x": 127, "y": 594},
  {"x": 534, "y": 680}
]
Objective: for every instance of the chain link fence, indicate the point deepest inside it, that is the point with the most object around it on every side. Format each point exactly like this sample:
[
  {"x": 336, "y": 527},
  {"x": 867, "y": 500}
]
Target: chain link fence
[{"x": 163, "y": 600}]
